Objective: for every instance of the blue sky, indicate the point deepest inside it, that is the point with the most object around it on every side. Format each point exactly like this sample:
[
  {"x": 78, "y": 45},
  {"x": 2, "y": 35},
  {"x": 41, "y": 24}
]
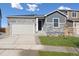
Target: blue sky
[{"x": 8, "y": 9}]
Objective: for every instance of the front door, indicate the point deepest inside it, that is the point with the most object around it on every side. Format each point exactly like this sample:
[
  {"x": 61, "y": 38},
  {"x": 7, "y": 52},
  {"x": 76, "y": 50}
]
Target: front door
[{"x": 39, "y": 25}]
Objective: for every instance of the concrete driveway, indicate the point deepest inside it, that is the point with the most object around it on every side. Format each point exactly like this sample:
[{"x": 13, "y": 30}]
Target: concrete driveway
[
  {"x": 14, "y": 45},
  {"x": 18, "y": 41}
]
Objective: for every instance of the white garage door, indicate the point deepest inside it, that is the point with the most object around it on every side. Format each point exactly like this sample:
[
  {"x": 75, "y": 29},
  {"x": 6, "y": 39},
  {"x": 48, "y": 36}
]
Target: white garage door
[
  {"x": 77, "y": 28},
  {"x": 22, "y": 29},
  {"x": 19, "y": 27}
]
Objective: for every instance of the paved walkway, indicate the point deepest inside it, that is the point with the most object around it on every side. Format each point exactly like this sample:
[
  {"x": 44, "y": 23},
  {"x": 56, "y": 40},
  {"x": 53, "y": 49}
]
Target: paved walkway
[{"x": 44, "y": 48}]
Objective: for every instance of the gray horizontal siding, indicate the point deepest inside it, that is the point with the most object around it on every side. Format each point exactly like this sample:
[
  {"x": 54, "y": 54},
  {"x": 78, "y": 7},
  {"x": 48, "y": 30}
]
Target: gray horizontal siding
[
  {"x": 69, "y": 23},
  {"x": 48, "y": 25}
]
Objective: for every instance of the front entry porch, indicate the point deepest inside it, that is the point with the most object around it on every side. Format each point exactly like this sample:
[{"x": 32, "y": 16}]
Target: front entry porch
[{"x": 39, "y": 26}]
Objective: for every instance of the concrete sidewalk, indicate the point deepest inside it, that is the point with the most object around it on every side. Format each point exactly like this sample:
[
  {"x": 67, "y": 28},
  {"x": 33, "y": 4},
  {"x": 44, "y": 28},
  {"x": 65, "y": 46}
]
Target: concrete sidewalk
[
  {"x": 18, "y": 53},
  {"x": 32, "y": 50},
  {"x": 53, "y": 48},
  {"x": 44, "y": 48},
  {"x": 60, "y": 49}
]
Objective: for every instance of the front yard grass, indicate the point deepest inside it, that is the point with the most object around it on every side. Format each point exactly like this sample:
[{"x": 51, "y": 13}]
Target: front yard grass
[
  {"x": 60, "y": 40},
  {"x": 46, "y": 53}
]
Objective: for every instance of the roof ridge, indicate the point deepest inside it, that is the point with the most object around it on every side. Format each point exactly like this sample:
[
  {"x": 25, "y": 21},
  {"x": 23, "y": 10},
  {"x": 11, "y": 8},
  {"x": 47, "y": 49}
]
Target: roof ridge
[{"x": 55, "y": 11}]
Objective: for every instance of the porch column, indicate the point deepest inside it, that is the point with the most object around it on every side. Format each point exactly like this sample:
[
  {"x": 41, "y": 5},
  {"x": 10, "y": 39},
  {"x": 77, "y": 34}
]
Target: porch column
[{"x": 36, "y": 25}]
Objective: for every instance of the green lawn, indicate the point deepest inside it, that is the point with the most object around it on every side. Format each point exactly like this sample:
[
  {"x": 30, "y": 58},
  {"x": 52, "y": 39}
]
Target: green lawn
[
  {"x": 60, "y": 41},
  {"x": 46, "y": 53}
]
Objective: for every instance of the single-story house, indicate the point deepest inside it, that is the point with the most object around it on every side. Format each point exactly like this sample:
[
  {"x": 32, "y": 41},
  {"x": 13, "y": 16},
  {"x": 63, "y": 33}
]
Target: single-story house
[{"x": 58, "y": 22}]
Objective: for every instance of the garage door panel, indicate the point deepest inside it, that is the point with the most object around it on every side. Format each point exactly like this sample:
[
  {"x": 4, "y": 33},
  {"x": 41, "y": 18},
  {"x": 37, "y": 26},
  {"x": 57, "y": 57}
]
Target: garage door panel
[
  {"x": 22, "y": 29},
  {"x": 22, "y": 21}
]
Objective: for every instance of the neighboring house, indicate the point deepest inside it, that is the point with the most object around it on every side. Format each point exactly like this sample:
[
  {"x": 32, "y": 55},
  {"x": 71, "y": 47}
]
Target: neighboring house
[
  {"x": 56, "y": 23},
  {"x": 3, "y": 30}
]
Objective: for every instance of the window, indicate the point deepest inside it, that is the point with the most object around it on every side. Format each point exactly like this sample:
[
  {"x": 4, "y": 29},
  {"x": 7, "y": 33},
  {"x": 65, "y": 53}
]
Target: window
[
  {"x": 65, "y": 12},
  {"x": 74, "y": 14},
  {"x": 56, "y": 22}
]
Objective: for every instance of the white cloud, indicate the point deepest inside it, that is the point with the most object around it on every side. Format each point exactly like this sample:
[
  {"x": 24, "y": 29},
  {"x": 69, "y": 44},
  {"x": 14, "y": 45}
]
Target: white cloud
[
  {"x": 16, "y": 5},
  {"x": 32, "y": 7},
  {"x": 64, "y": 8}
]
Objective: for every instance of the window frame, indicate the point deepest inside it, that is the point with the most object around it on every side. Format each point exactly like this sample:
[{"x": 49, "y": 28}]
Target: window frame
[
  {"x": 58, "y": 22},
  {"x": 74, "y": 14}
]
